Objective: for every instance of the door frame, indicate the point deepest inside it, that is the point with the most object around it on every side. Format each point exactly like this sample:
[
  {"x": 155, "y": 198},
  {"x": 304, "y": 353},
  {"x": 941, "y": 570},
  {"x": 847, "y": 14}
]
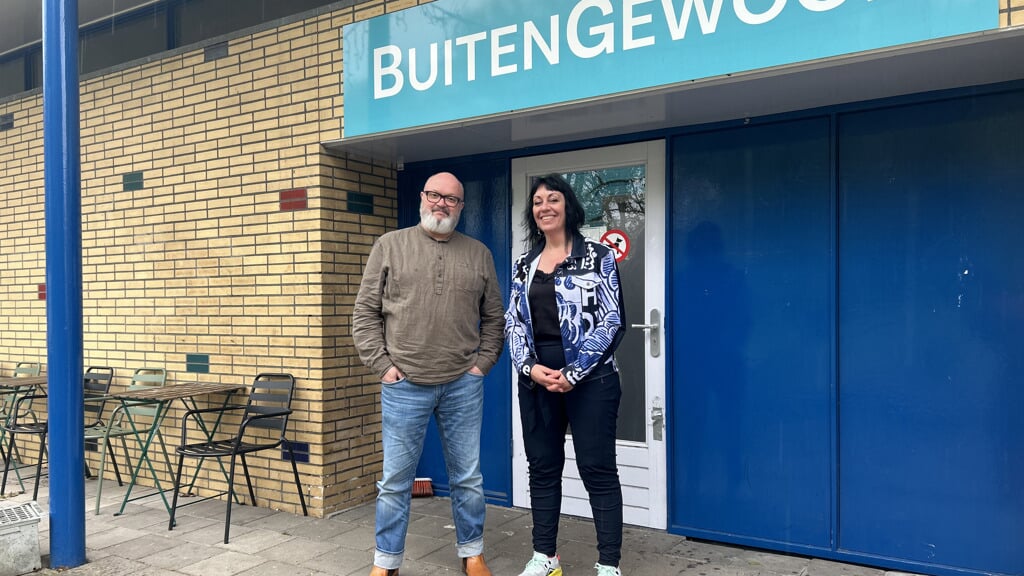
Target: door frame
[{"x": 653, "y": 154}]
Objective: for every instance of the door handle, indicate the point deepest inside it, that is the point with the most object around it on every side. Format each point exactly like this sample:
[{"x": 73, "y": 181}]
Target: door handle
[{"x": 653, "y": 330}]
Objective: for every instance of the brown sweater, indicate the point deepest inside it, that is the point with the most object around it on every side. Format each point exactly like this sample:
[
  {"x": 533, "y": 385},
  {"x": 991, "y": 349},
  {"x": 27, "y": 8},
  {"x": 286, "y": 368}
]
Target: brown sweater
[{"x": 432, "y": 308}]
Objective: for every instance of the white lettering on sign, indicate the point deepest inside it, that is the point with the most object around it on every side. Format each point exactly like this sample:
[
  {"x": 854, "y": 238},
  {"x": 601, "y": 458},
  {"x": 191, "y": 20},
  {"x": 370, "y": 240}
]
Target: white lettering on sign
[
  {"x": 677, "y": 28},
  {"x": 415, "y": 82},
  {"x": 605, "y": 31},
  {"x": 393, "y": 70},
  {"x": 515, "y": 48},
  {"x": 630, "y": 21},
  {"x": 748, "y": 17},
  {"x": 469, "y": 42},
  {"x": 497, "y": 49},
  {"x": 533, "y": 39}
]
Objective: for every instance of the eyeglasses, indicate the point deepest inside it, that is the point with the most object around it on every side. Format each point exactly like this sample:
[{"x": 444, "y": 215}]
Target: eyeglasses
[{"x": 434, "y": 198}]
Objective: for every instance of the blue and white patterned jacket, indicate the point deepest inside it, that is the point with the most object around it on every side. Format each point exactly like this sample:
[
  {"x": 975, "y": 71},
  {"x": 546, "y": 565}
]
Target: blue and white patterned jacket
[{"x": 590, "y": 310}]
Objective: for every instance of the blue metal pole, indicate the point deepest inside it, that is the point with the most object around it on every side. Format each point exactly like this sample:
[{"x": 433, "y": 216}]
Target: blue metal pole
[{"x": 63, "y": 282}]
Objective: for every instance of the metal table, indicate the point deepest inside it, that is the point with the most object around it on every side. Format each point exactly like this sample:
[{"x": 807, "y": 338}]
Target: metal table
[{"x": 163, "y": 397}]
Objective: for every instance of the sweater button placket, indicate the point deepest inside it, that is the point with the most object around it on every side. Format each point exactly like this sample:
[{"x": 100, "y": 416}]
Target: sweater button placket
[{"x": 439, "y": 284}]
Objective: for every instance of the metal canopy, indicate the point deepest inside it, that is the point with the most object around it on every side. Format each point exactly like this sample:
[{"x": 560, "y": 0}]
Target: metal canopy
[{"x": 969, "y": 60}]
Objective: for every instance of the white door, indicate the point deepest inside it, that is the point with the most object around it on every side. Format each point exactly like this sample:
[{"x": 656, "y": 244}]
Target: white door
[{"x": 622, "y": 189}]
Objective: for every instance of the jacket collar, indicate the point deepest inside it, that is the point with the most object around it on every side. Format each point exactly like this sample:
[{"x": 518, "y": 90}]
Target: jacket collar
[{"x": 578, "y": 250}]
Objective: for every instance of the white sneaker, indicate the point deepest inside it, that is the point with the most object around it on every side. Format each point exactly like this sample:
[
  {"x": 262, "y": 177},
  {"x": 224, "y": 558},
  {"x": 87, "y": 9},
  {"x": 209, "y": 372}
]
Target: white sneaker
[
  {"x": 603, "y": 570},
  {"x": 542, "y": 565}
]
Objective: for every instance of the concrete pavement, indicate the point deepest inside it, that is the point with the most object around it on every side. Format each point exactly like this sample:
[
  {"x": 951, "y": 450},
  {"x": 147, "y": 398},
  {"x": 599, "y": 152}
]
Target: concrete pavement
[{"x": 265, "y": 542}]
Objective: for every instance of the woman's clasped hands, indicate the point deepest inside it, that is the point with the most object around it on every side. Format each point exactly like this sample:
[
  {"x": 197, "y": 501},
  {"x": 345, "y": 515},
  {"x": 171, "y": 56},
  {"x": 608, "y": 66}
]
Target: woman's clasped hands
[{"x": 551, "y": 379}]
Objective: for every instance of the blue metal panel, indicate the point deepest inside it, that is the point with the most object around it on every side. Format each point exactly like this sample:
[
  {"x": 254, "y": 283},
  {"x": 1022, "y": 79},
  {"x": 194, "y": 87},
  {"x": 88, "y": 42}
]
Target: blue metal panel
[
  {"x": 486, "y": 218},
  {"x": 932, "y": 320},
  {"x": 751, "y": 295},
  {"x": 64, "y": 280}
]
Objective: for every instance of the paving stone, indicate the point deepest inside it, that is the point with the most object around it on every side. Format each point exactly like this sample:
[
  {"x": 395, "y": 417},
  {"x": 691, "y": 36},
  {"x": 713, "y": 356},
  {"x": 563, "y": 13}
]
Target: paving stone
[
  {"x": 108, "y": 566},
  {"x": 434, "y": 526},
  {"x": 700, "y": 551},
  {"x": 725, "y": 570},
  {"x": 280, "y": 543},
  {"x": 444, "y": 557},
  {"x": 358, "y": 539},
  {"x": 225, "y": 564},
  {"x": 143, "y": 546},
  {"x": 343, "y": 561},
  {"x": 113, "y": 537},
  {"x": 211, "y": 532},
  {"x": 820, "y": 567},
  {"x": 432, "y": 506},
  {"x": 181, "y": 555},
  {"x": 776, "y": 563},
  {"x": 417, "y": 546},
  {"x": 275, "y": 568},
  {"x": 297, "y": 548},
  {"x": 648, "y": 541},
  {"x": 255, "y": 541},
  {"x": 279, "y": 521},
  {"x": 139, "y": 518},
  {"x": 364, "y": 515},
  {"x": 321, "y": 529},
  {"x": 156, "y": 571}
]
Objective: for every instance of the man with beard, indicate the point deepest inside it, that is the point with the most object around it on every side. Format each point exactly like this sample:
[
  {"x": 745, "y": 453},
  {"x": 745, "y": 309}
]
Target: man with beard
[{"x": 428, "y": 320}]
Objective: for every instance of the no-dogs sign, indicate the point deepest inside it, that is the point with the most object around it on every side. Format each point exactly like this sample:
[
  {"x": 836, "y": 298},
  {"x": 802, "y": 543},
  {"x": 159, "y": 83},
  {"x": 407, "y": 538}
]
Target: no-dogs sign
[{"x": 618, "y": 242}]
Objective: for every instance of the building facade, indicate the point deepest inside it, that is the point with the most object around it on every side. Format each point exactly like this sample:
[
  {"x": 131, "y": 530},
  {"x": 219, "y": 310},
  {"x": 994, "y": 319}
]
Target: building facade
[{"x": 816, "y": 205}]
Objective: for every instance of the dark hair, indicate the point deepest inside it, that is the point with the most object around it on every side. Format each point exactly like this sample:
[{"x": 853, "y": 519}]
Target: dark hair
[{"x": 574, "y": 213}]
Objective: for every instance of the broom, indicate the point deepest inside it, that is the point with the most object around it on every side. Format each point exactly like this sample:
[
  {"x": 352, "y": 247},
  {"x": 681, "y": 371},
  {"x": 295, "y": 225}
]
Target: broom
[{"x": 422, "y": 487}]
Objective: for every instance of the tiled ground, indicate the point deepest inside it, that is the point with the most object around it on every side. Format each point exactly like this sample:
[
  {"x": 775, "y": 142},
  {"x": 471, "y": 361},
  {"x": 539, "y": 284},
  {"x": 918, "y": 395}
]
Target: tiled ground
[{"x": 265, "y": 542}]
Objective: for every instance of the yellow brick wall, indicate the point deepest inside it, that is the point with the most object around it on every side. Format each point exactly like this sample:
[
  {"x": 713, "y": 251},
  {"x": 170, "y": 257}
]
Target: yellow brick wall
[
  {"x": 22, "y": 250},
  {"x": 1011, "y": 13},
  {"x": 202, "y": 260},
  {"x": 351, "y": 406}
]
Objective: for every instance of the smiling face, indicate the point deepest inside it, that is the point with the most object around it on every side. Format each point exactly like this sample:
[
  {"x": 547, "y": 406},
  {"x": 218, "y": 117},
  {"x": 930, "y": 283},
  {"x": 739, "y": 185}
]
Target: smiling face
[{"x": 549, "y": 211}]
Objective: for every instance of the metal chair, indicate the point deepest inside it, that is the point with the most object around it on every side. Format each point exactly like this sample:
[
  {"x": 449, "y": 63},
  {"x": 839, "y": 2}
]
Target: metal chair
[
  {"x": 8, "y": 399},
  {"x": 15, "y": 426},
  {"x": 97, "y": 381},
  {"x": 131, "y": 420},
  {"x": 28, "y": 369},
  {"x": 267, "y": 409},
  {"x": 96, "y": 384},
  {"x": 21, "y": 370}
]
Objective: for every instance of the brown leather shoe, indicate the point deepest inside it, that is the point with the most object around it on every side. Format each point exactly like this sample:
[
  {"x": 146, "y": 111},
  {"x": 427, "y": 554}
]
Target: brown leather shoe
[
  {"x": 475, "y": 566},
  {"x": 378, "y": 571}
]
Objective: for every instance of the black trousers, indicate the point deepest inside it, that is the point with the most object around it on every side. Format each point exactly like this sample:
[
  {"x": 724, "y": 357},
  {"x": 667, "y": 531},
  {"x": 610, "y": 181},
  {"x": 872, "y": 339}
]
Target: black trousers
[{"x": 591, "y": 409}]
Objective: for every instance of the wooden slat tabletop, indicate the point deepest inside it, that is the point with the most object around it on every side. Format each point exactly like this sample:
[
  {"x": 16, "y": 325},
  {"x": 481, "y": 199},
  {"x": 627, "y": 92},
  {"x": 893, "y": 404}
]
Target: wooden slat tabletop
[
  {"x": 175, "y": 391},
  {"x": 23, "y": 382}
]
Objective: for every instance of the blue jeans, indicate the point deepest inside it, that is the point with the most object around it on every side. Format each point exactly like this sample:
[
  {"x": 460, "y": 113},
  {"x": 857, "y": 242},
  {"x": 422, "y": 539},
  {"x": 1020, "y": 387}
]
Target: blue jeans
[{"x": 406, "y": 408}]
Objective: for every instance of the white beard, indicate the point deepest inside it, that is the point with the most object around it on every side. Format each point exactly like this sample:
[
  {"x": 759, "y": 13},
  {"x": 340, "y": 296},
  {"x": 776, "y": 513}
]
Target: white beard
[{"x": 444, "y": 226}]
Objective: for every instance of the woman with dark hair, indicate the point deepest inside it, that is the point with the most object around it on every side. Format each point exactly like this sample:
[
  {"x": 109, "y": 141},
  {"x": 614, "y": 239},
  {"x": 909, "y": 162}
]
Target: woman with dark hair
[{"x": 564, "y": 321}]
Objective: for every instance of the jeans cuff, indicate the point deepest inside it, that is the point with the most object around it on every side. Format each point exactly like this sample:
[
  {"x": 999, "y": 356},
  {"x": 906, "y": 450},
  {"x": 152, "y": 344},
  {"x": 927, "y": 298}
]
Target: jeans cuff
[
  {"x": 470, "y": 549},
  {"x": 387, "y": 561}
]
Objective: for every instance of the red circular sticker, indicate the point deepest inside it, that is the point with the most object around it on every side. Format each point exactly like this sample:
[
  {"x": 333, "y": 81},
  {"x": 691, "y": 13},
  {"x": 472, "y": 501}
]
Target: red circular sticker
[{"x": 618, "y": 242}]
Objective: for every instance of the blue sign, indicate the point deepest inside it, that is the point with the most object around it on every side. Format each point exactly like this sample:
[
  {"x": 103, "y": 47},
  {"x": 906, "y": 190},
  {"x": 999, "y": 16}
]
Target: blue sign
[{"x": 456, "y": 59}]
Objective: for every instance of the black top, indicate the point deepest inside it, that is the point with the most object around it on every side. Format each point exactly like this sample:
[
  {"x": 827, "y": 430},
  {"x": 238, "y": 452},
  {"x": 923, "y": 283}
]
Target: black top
[{"x": 544, "y": 308}]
